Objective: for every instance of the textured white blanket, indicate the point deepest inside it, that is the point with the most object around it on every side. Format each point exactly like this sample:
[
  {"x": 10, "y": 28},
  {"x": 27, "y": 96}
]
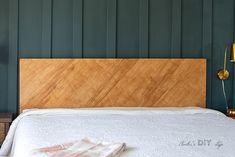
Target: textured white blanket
[{"x": 187, "y": 132}]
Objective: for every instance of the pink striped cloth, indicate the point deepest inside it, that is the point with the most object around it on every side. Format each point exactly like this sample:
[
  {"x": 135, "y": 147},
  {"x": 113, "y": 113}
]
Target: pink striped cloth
[{"x": 85, "y": 148}]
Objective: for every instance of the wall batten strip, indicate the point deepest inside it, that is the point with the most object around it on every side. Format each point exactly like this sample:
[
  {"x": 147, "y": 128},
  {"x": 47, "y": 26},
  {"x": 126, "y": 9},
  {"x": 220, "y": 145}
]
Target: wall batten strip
[
  {"x": 13, "y": 56},
  {"x": 233, "y": 82},
  {"x": 77, "y": 28},
  {"x": 46, "y": 29},
  {"x": 207, "y": 44},
  {"x": 111, "y": 28},
  {"x": 144, "y": 29},
  {"x": 176, "y": 28}
]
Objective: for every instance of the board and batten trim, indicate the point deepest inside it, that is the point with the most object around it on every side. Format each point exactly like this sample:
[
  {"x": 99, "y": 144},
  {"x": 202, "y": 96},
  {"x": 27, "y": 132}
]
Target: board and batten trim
[
  {"x": 176, "y": 32},
  {"x": 13, "y": 56},
  {"x": 233, "y": 83},
  {"x": 111, "y": 29},
  {"x": 222, "y": 20},
  {"x": 207, "y": 44},
  {"x": 78, "y": 28},
  {"x": 215, "y": 35},
  {"x": 144, "y": 29},
  {"x": 46, "y": 29}
]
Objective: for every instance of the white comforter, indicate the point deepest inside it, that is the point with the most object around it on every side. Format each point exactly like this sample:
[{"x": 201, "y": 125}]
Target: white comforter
[{"x": 186, "y": 132}]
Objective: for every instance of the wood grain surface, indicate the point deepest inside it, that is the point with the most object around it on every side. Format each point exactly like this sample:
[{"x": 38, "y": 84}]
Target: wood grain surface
[{"x": 76, "y": 83}]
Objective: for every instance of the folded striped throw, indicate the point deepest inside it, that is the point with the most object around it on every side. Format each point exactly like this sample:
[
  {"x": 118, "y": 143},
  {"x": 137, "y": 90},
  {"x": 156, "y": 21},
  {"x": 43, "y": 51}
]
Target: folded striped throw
[{"x": 87, "y": 147}]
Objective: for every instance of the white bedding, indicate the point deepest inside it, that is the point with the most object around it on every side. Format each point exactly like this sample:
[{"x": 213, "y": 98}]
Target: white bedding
[{"x": 185, "y": 132}]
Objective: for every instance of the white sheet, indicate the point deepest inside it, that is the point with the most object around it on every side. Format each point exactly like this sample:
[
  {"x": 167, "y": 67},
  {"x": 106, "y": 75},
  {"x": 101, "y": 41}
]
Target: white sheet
[{"x": 185, "y": 132}]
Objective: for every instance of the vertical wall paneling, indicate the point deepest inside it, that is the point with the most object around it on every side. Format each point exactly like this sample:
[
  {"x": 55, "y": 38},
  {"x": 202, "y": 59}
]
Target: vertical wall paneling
[
  {"x": 233, "y": 90},
  {"x": 111, "y": 28},
  {"x": 222, "y": 36},
  {"x": 95, "y": 28},
  {"x": 77, "y": 28},
  {"x": 13, "y": 56},
  {"x": 128, "y": 28},
  {"x": 116, "y": 29},
  {"x": 207, "y": 45},
  {"x": 191, "y": 28},
  {"x": 4, "y": 46},
  {"x": 143, "y": 28},
  {"x": 62, "y": 29},
  {"x": 160, "y": 25},
  {"x": 46, "y": 28},
  {"x": 176, "y": 28},
  {"x": 30, "y": 28}
]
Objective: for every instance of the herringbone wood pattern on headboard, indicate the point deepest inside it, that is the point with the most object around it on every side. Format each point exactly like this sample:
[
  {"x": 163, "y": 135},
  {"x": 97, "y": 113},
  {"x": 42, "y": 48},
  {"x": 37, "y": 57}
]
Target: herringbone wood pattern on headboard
[{"x": 74, "y": 83}]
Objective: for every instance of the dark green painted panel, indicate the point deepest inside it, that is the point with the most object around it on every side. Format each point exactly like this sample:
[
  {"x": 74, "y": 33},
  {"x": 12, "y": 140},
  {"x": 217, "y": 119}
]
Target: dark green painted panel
[
  {"x": 30, "y": 28},
  {"x": 115, "y": 28},
  {"x": 128, "y": 28},
  {"x": 207, "y": 46},
  {"x": 46, "y": 28},
  {"x": 4, "y": 46},
  {"x": 62, "y": 29},
  {"x": 160, "y": 28},
  {"x": 111, "y": 28},
  {"x": 223, "y": 20},
  {"x": 192, "y": 28},
  {"x": 3, "y": 84},
  {"x": 233, "y": 70},
  {"x": 12, "y": 105},
  {"x": 77, "y": 28},
  {"x": 176, "y": 17},
  {"x": 95, "y": 28},
  {"x": 144, "y": 29}
]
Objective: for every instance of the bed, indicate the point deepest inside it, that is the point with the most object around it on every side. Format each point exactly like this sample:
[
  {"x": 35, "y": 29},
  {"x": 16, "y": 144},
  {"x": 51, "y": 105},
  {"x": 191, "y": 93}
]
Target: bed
[{"x": 155, "y": 106}]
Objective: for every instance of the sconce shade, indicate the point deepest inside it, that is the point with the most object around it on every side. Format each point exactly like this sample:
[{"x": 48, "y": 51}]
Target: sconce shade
[
  {"x": 223, "y": 74},
  {"x": 232, "y": 55}
]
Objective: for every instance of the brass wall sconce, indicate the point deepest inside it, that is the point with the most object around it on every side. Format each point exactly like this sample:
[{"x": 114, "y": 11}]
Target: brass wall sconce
[{"x": 223, "y": 74}]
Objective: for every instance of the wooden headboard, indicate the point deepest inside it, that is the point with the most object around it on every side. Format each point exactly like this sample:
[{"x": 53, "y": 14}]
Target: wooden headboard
[{"x": 75, "y": 83}]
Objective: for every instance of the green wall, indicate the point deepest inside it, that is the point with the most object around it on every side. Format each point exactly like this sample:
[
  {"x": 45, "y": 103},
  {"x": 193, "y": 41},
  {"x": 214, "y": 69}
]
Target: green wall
[{"x": 115, "y": 28}]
